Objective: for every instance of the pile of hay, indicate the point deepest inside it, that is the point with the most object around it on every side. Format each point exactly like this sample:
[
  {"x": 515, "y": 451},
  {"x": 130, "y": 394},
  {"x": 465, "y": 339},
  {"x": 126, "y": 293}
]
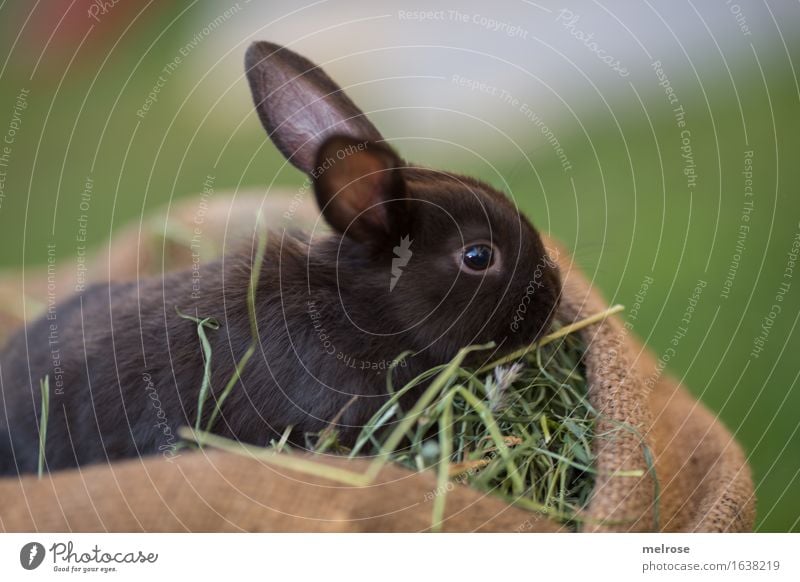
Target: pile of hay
[{"x": 520, "y": 428}]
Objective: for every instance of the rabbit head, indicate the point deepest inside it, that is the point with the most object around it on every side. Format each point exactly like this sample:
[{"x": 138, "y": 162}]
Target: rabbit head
[{"x": 436, "y": 260}]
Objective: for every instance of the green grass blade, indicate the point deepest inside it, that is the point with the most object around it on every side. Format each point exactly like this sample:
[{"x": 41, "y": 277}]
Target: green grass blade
[{"x": 44, "y": 417}]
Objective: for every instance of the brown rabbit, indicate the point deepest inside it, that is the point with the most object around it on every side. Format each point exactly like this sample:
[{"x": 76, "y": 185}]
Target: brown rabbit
[{"x": 420, "y": 260}]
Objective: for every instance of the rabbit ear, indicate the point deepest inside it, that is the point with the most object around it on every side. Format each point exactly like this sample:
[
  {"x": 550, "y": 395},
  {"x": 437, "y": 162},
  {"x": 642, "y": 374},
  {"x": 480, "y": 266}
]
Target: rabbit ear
[
  {"x": 359, "y": 189},
  {"x": 299, "y": 105}
]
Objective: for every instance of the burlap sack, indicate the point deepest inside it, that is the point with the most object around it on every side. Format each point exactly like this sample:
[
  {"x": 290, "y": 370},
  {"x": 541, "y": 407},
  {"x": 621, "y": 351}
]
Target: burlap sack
[{"x": 696, "y": 477}]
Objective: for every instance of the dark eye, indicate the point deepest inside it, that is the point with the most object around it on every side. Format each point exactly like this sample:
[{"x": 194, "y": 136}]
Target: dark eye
[{"x": 478, "y": 257}]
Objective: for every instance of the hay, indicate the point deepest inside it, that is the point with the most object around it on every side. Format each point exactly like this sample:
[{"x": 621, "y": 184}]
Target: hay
[{"x": 520, "y": 428}]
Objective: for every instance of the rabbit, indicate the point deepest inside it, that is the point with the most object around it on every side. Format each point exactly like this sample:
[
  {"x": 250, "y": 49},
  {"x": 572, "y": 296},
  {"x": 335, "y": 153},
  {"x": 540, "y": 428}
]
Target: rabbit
[{"x": 417, "y": 260}]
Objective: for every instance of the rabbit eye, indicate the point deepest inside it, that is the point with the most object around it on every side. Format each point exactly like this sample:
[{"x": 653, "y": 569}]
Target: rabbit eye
[{"x": 478, "y": 257}]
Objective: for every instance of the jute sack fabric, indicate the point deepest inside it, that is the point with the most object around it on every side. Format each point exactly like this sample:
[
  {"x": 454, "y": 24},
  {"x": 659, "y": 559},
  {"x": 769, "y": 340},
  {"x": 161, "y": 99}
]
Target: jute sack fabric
[
  {"x": 664, "y": 462},
  {"x": 698, "y": 477}
]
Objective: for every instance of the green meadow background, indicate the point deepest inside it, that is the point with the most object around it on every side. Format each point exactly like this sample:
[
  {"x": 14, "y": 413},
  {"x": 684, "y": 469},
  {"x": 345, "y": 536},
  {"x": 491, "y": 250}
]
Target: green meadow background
[{"x": 625, "y": 207}]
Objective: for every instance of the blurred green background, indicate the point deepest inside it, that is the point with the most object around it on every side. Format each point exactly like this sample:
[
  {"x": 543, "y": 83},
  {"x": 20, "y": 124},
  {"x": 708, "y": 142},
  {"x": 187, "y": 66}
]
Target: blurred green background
[{"x": 621, "y": 201}]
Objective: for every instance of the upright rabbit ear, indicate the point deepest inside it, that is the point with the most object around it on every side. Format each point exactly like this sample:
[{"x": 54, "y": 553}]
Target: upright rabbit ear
[
  {"x": 360, "y": 190},
  {"x": 299, "y": 105}
]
